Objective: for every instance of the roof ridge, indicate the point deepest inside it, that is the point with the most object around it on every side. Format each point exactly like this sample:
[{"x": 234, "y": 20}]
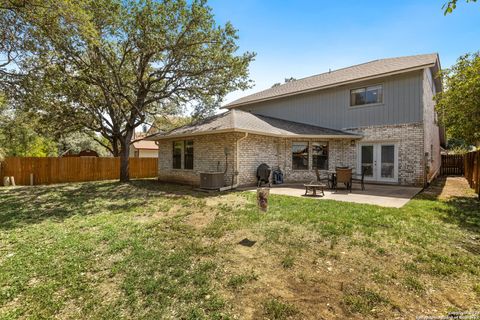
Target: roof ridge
[
  {"x": 291, "y": 85},
  {"x": 356, "y": 65}
]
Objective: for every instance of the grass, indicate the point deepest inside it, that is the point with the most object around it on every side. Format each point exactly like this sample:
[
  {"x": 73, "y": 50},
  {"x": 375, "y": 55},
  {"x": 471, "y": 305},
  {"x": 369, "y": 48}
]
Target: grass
[
  {"x": 239, "y": 281},
  {"x": 149, "y": 250},
  {"x": 278, "y": 310},
  {"x": 363, "y": 300}
]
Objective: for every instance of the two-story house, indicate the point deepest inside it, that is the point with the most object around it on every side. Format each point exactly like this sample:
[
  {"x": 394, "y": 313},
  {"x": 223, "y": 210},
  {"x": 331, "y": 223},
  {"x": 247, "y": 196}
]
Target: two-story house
[{"x": 377, "y": 116}]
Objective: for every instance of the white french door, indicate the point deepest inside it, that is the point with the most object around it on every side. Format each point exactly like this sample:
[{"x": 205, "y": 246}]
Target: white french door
[{"x": 379, "y": 160}]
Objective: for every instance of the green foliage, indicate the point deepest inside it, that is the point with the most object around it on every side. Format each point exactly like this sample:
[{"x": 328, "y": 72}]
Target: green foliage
[
  {"x": 288, "y": 261},
  {"x": 19, "y": 135},
  {"x": 459, "y": 104},
  {"x": 458, "y": 146},
  {"x": 452, "y": 5},
  {"x": 77, "y": 141},
  {"x": 168, "y": 123},
  {"x": 109, "y": 66}
]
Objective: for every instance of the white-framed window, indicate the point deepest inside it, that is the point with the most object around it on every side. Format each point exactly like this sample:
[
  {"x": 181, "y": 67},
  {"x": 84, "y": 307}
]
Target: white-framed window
[{"x": 366, "y": 95}]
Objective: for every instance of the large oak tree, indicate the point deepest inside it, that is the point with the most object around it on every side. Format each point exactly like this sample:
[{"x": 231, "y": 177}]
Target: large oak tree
[{"x": 112, "y": 65}]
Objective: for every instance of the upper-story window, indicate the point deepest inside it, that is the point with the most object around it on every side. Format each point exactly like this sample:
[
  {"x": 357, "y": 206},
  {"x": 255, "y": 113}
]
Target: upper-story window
[{"x": 366, "y": 95}]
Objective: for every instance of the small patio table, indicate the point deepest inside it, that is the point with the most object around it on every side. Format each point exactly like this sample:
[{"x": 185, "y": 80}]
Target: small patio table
[{"x": 314, "y": 187}]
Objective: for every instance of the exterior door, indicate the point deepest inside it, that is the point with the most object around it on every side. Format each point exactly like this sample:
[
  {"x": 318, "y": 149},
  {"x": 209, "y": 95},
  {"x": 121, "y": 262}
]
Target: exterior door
[
  {"x": 379, "y": 160},
  {"x": 367, "y": 161},
  {"x": 387, "y": 164}
]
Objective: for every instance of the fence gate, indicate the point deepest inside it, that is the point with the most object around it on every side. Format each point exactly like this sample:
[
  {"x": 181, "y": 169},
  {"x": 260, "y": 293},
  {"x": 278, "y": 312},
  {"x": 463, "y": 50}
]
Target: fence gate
[{"x": 452, "y": 164}]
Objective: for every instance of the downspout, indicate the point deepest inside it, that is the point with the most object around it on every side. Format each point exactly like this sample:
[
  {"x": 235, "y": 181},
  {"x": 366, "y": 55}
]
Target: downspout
[{"x": 237, "y": 156}]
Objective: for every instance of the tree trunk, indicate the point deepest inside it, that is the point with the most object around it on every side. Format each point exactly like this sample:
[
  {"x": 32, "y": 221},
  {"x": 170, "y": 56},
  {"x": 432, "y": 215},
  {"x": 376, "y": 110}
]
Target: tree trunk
[
  {"x": 124, "y": 156},
  {"x": 115, "y": 149}
]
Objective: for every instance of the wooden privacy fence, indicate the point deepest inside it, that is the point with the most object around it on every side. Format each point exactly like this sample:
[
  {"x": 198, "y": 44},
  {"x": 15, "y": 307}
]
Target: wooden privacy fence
[
  {"x": 472, "y": 170},
  {"x": 73, "y": 169},
  {"x": 452, "y": 164}
]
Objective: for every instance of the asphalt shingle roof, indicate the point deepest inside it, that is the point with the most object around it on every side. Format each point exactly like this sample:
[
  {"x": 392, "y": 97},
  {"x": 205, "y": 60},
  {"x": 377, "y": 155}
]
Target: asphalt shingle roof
[
  {"x": 340, "y": 76},
  {"x": 242, "y": 121}
]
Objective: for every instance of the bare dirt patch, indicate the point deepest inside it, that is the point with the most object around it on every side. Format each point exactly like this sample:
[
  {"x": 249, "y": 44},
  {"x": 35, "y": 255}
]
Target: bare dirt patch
[
  {"x": 175, "y": 210},
  {"x": 231, "y": 200},
  {"x": 449, "y": 187},
  {"x": 200, "y": 219},
  {"x": 306, "y": 284}
]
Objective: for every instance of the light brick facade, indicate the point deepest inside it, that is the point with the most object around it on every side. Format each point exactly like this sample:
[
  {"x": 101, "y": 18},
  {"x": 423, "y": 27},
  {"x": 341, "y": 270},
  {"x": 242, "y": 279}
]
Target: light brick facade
[
  {"x": 208, "y": 156},
  {"x": 409, "y": 141},
  {"x": 253, "y": 150}
]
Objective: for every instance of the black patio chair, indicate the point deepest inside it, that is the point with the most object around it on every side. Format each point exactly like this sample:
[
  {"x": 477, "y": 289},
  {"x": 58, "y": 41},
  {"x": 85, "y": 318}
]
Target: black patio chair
[{"x": 361, "y": 179}]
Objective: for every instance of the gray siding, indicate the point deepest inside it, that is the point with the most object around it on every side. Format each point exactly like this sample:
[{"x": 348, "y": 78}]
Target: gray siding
[{"x": 330, "y": 108}]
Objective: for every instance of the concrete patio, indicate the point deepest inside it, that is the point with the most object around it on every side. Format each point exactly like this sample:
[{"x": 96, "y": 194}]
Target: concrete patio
[{"x": 377, "y": 194}]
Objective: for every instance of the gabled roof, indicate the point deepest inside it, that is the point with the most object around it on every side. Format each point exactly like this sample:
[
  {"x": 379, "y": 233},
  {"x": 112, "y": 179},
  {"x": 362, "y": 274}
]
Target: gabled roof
[
  {"x": 360, "y": 72},
  {"x": 242, "y": 121}
]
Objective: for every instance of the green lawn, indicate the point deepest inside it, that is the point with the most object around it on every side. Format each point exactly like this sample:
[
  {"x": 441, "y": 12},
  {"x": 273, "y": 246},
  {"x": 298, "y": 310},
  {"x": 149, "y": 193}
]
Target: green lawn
[{"x": 156, "y": 251}]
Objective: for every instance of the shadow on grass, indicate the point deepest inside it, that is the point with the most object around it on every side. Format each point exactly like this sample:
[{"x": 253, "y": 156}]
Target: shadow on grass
[
  {"x": 463, "y": 211},
  {"x": 30, "y": 205}
]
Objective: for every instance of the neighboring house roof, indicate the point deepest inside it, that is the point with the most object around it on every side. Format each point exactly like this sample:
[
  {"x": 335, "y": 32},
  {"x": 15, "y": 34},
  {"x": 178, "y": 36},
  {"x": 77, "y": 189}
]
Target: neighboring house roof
[
  {"x": 242, "y": 121},
  {"x": 145, "y": 145},
  {"x": 360, "y": 72}
]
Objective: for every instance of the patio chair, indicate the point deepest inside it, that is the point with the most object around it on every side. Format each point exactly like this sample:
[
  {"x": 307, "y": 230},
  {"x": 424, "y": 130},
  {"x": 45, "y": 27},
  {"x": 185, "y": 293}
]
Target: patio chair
[
  {"x": 361, "y": 179},
  {"x": 344, "y": 176},
  {"x": 327, "y": 179}
]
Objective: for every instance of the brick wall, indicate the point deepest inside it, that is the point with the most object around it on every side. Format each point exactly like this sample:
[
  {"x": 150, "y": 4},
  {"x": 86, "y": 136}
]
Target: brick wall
[
  {"x": 410, "y": 141},
  {"x": 208, "y": 156},
  {"x": 432, "y": 133},
  {"x": 276, "y": 152}
]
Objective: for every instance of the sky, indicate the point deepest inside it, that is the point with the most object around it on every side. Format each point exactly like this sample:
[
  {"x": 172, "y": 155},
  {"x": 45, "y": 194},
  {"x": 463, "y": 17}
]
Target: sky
[{"x": 299, "y": 38}]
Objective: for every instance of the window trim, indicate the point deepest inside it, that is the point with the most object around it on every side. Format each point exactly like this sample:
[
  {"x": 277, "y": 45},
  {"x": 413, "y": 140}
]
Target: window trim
[{"x": 366, "y": 104}]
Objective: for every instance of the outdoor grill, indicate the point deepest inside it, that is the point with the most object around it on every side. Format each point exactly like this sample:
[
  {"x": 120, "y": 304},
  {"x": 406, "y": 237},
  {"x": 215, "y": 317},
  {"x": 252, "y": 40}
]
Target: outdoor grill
[{"x": 263, "y": 174}]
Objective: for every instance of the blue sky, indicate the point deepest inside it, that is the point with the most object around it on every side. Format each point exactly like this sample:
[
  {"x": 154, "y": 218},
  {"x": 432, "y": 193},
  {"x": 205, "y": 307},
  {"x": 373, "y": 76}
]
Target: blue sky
[{"x": 299, "y": 38}]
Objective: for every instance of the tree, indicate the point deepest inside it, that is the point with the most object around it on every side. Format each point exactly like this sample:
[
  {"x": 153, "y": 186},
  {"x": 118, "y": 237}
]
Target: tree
[
  {"x": 77, "y": 141},
  {"x": 459, "y": 104},
  {"x": 19, "y": 135},
  {"x": 452, "y": 5},
  {"x": 119, "y": 63}
]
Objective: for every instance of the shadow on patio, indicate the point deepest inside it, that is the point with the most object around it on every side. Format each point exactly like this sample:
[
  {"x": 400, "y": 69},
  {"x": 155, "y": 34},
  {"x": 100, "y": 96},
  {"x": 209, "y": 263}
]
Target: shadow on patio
[{"x": 382, "y": 195}]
